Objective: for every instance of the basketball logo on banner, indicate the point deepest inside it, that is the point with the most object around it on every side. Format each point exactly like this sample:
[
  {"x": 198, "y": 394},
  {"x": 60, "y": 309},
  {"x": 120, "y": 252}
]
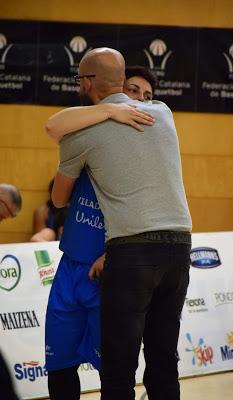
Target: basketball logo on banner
[
  {"x": 158, "y": 51},
  {"x": 229, "y": 59},
  {"x": 5, "y": 48},
  {"x": 78, "y": 47}
]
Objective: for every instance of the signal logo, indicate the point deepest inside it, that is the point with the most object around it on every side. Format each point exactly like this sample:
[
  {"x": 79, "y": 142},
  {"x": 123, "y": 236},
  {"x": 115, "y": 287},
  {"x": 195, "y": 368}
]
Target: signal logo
[{"x": 29, "y": 370}]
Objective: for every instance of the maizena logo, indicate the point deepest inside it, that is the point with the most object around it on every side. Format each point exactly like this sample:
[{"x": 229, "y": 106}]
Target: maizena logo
[
  {"x": 204, "y": 257},
  {"x": 19, "y": 320},
  {"x": 10, "y": 272}
]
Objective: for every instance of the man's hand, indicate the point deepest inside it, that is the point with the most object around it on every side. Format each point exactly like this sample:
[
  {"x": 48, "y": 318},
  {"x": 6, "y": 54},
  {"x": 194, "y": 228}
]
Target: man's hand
[
  {"x": 97, "y": 268},
  {"x": 130, "y": 115}
]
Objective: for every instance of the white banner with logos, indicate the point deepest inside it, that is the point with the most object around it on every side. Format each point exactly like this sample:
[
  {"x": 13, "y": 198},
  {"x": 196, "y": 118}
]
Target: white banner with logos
[{"x": 206, "y": 337}]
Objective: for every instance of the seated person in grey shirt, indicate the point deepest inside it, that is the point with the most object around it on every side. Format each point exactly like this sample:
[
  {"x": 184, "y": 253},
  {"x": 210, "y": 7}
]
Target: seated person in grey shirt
[{"x": 138, "y": 183}]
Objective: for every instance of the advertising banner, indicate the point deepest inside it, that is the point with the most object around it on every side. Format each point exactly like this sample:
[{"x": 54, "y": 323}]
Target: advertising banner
[
  {"x": 61, "y": 47},
  {"x": 18, "y": 61},
  {"x": 193, "y": 66},
  {"x": 215, "y": 70},
  {"x": 206, "y": 338},
  {"x": 170, "y": 53}
]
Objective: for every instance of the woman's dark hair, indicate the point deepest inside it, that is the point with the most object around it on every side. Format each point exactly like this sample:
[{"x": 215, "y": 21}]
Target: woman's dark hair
[{"x": 146, "y": 73}]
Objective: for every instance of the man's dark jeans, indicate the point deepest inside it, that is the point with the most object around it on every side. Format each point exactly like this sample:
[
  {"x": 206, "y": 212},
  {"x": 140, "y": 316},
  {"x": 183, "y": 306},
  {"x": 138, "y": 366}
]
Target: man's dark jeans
[{"x": 143, "y": 291}]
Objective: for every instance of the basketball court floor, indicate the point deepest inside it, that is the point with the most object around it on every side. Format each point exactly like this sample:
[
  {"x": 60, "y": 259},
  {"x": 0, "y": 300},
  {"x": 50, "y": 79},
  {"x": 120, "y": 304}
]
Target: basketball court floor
[{"x": 209, "y": 387}]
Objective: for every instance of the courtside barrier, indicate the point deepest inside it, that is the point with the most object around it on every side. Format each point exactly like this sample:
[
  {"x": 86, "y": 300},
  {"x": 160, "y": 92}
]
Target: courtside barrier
[{"x": 206, "y": 337}]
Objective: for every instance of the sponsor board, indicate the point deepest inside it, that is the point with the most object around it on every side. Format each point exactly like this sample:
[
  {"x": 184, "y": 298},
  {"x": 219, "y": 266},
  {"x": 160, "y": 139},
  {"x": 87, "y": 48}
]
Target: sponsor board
[{"x": 39, "y": 59}]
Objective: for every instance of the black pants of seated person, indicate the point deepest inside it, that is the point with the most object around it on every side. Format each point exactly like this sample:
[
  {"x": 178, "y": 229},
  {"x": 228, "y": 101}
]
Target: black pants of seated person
[
  {"x": 64, "y": 384},
  {"x": 143, "y": 291},
  {"x": 6, "y": 386}
]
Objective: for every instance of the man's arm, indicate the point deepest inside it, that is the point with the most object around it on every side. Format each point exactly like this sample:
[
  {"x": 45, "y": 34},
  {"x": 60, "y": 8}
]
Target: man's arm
[
  {"x": 72, "y": 160},
  {"x": 74, "y": 119},
  {"x": 62, "y": 189}
]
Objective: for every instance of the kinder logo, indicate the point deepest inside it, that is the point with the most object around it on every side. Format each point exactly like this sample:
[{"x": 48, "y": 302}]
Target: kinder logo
[
  {"x": 10, "y": 272},
  {"x": 227, "y": 350},
  {"x": 29, "y": 370},
  {"x": 201, "y": 353},
  {"x": 195, "y": 305},
  {"x": 204, "y": 258},
  {"x": 223, "y": 298}
]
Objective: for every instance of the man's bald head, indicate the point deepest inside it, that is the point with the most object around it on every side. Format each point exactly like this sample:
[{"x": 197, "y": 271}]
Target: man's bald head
[
  {"x": 10, "y": 201},
  {"x": 108, "y": 66}
]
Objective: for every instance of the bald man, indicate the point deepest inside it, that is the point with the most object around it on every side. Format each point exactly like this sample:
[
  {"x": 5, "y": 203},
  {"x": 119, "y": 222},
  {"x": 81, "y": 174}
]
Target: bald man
[
  {"x": 10, "y": 201},
  {"x": 73, "y": 296},
  {"x": 138, "y": 183}
]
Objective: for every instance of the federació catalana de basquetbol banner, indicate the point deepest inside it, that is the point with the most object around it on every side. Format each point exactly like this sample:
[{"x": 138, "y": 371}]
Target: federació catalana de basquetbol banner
[{"x": 194, "y": 66}]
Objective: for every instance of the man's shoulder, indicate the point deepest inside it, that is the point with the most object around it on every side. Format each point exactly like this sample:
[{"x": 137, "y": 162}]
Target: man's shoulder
[
  {"x": 156, "y": 104},
  {"x": 154, "y": 107},
  {"x": 77, "y": 135}
]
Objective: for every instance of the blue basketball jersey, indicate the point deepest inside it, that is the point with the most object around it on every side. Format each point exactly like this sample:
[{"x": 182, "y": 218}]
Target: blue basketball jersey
[{"x": 83, "y": 233}]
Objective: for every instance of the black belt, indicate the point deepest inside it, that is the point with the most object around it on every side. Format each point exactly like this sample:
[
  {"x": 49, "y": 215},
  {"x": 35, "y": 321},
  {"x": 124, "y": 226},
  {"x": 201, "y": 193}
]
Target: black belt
[{"x": 176, "y": 237}]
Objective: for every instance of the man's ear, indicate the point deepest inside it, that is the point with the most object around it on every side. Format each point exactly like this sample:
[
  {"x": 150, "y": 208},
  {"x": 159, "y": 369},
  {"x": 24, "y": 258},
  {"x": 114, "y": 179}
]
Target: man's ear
[{"x": 87, "y": 84}]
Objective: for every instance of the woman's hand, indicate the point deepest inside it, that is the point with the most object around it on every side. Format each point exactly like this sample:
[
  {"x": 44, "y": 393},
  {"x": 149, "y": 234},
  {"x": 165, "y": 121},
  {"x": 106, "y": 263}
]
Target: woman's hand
[{"x": 130, "y": 115}]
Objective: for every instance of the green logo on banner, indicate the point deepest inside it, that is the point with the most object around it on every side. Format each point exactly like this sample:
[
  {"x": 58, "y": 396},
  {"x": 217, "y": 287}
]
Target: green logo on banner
[
  {"x": 10, "y": 272},
  {"x": 45, "y": 266}
]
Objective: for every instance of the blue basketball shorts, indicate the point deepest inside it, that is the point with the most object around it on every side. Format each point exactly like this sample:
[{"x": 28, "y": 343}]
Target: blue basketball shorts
[{"x": 72, "y": 328}]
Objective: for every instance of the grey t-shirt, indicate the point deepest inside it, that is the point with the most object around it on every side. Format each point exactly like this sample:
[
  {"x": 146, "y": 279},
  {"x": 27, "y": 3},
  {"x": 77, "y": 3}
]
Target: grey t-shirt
[{"x": 137, "y": 176}]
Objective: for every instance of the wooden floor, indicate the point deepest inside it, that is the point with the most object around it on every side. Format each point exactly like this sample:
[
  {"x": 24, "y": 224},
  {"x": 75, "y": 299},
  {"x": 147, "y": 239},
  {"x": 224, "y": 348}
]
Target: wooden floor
[{"x": 211, "y": 387}]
